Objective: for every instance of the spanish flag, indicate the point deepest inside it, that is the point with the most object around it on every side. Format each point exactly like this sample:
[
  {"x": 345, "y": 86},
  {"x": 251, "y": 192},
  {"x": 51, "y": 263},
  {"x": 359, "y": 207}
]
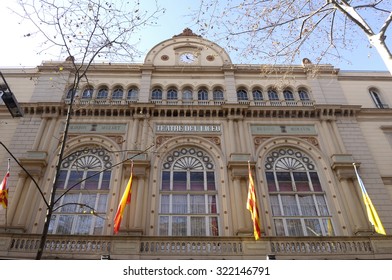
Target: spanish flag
[
  {"x": 371, "y": 211},
  {"x": 251, "y": 205},
  {"x": 126, "y": 199},
  {"x": 4, "y": 189}
]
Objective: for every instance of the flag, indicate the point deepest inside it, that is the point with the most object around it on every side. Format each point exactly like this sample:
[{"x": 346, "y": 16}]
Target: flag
[
  {"x": 371, "y": 211},
  {"x": 251, "y": 205},
  {"x": 4, "y": 189},
  {"x": 126, "y": 199}
]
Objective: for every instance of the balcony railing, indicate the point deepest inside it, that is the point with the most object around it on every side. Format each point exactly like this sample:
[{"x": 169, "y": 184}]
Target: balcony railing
[{"x": 20, "y": 246}]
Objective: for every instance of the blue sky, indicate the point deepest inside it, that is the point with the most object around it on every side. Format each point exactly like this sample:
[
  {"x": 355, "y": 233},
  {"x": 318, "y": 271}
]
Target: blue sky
[{"x": 19, "y": 51}]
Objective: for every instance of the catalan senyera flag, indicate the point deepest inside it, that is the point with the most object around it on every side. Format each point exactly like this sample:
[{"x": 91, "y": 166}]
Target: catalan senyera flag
[
  {"x": 371, "y": 211},
  {"x": 251, "y": 205},
  {"x": 126, "y": 199},
  {"x": 4, "y": 189}
]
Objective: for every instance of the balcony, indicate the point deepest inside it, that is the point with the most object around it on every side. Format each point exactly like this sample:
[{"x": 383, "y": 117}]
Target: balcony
[{"x": 21, "y": 246}]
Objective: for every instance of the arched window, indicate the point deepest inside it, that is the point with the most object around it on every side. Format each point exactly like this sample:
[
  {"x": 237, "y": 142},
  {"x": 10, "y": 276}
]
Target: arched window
[
  {"x": 376, "y": 96},
  {"x": 303, "y": 95},
  {"x": 257, "y": 94},
  {"x": 187, "y": 94},
  {"x": 82, "y": 207},
  {"x": 69, "y": 93},
  {"x": 88, "y": 93},
  {"x": 133, "y": 94},
  {"x": 202, "y": 94},
  {"x": 117, "y": 93},
  {"x": 218, "y": 95},
  {"x": 298, "y": 202},
  {"x": 288, "y": 95},
  {"x": 272, "y": 94},
  {"x": 156, "y": 94},
  {"x": 172, "y": 94},
  {"x": 102, "y": 93},
  {"x": 188, "y": 194},
  {"x": 242, "y": 94}
]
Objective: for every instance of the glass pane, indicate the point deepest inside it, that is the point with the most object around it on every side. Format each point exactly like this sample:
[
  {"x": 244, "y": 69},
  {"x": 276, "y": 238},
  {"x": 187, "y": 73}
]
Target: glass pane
[
  {"x": 214, "y": 229},
  {"x": 290, "y": 207},
  {"x": 294, "y": 227},
  {"x": 69, "y": 203},
  {"x": 105, "y": 180},
  {"x": 98, "y": 226},
  {"x": 89, "y": 201},
  {"x": 165, "y": 180},
  {"x": 179, "y": 204},
  {"x": 313, "y": 227},
  {"x": 51, "y": 224},
  {"x": 284, "y": 181},
  {"x": 322, "y": 205},
  {"x": 210, "y": 181},
  {"x": 64, "y": 225},
  {"x": 275, "y": 206},
  {"x": 328, "y": 227},
  {"x": 93, "y": 182},
  {"x": 212, "y": 207},
  {"x": 315, "y": 181},
  {"x": 198, "y": 226},
  {"x": 270, "y": 181},
  {"x": 178, "y": 226},
  {"x": 165, "y": 204},
  {"x": 307, "y": 204},
  {"x": 179, "y": 181},
  {"x": 164, "y": 225},
  {"x": 74, "y": 178},
  {"x": 61, "y": 179},
  {"x": 301, "y": 181},
  {"x": 198, "y": 205},
  {"x": 279, "y": 228},
  {"x": 102, "y": 202},
  {"x": 83, "y": 224},
  {"x": 197, "y": 181}
]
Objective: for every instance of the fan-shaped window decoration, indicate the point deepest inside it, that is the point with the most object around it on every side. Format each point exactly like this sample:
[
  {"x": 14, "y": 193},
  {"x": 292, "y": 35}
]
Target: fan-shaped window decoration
[
  {"x": 82, "y": 190},
  {"x": 118, "y": 94},
  {"x": 156, "y": 94},
  {"x": 298, "y": 203},
  {"x": 188, "y": 194},
  {"x": 88, "y": 93},
  {"x": 102, "y": 93}
]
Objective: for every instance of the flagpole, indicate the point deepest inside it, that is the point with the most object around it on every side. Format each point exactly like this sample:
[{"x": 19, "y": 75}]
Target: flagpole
[{"x": 6, "y": 209}]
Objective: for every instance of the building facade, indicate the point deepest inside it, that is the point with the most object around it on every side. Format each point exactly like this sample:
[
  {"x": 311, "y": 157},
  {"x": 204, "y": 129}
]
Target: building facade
[{"x": 191, "y": 123}]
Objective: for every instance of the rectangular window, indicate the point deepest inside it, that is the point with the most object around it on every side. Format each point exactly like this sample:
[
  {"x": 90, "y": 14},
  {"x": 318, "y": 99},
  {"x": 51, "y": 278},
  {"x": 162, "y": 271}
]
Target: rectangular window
[
  {"x": 165, "y": 181},
  {"x": 210, "y": 181},
  {"x": 68, "y": 204},
  {"x": 179, "y": 204},
  {"x": 212, "y": 208},
  {"x": 315, "y": 181},
  {"x": 284, "y": 181},
  {"x": 198, "y": 226},
  {"x": 301, "y": 181},
  {"x": 98, "y": 226},
  {"x": 294, "y": 227},
  {"x": 279, "y": 227},
  {"x": 270, "y": 181},
  {"x": 105, "y": 180},
  {"x": 275, "y": 205},
  {"x": 74, "y": 178},
  {"x": 197, "y": 181},
  {"x": 102, "y": 202},
  {"x": 307, "y": 204},
  {"x": 197, "y": 204},
  {"x": 83, "y": 224},
  {"x": 313, "y": 227},
  {"x": 179, "y": 226},
  {"x": 164, "y": 225},
  {"x": 328, "y": 227},
  {"x": 322, "y": 205},
  {"x": 61, "y": 179},
  {"x": 93, "y": 182},
  {"x": 165, "y": 204},
  {"x": 64, "y": 225},
  {"x": 214, "y": 229},
  {"x": 290, "y": 207},
  {"x": 179, "y": 181}
]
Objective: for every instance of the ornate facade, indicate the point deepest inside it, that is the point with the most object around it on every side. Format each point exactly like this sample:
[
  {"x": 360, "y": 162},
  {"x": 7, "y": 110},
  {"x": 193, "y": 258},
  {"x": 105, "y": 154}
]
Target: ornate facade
[{"x": 191, "y": 121}]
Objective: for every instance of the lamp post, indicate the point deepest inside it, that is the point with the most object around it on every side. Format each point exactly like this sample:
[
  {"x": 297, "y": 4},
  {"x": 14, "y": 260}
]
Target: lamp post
[{"x": 9, "y": 99}]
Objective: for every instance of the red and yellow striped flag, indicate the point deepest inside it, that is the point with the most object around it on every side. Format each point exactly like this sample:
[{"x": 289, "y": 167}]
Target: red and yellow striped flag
[
  {"x": 251, "y": 205},
  {"x": 126, "y": 199},
  {"x": 373, "y": 217},
  {"x": 4, "y": 189}
]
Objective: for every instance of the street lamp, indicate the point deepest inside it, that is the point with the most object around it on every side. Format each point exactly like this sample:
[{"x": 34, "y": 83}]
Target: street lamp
[{"x": 9, "y": 99}]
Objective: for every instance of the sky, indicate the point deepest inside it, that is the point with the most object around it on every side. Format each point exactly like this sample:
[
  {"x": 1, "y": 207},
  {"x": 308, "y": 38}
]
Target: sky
[{"x": 19, "y": 51}]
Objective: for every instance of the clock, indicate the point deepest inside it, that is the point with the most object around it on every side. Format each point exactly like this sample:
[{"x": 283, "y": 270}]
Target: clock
[{"x": 188, "y": 58}]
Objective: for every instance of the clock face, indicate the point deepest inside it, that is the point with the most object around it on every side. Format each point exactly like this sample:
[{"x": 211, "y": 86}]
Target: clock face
[{"x": 188, "y": 58}]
